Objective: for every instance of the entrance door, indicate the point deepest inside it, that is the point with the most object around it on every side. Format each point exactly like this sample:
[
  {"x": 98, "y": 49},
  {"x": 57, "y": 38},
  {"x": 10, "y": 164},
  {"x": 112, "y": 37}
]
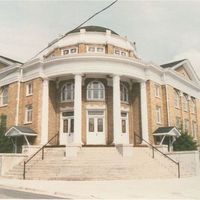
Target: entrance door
[
  {"x": 67, "y": 128},
  {"x": 96, "y": 127},
  {"x": 124, "y": 128}
]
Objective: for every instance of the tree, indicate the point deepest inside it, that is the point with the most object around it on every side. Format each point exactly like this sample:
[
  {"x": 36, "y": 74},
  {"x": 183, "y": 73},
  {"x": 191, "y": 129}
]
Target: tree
[
  {"x": 5, "y": 143},
  {"x": 185, "y": 142}
]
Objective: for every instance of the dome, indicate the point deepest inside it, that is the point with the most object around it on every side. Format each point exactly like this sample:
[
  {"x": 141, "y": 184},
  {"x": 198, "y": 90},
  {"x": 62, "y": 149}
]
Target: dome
[{"x": 92, "y": 29}]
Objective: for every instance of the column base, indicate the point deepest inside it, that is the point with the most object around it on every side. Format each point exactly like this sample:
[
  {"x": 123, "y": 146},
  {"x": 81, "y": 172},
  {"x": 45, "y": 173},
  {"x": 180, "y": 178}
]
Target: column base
[
  {"x": 126, "y": 150},
  {"x": 72, "y": 151}
]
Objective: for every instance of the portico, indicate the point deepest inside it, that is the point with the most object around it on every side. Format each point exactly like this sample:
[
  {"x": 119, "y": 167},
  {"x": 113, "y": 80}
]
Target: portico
[{"x": 97, "y": 109}]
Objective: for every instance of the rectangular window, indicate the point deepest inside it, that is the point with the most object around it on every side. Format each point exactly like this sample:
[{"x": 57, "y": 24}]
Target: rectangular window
[
  {"x": 158, "y": 114},
  {"x": 71, "y": 50},
  {"x": 193, "y": 106},
  {"x": 65, "y": 126},
  {"x": 29, "y": 89},
  {"x": 100, "y": 124},
  {"x": 91, "y": 124},
  {"x": 176, "y": 99},
  {"x": 4, "y": 96},
  {"x": 157, "y": 90},
  {"x": 95, "y": 49},
  {"x": 194, "y": 129},
  {"x": 185, "y": 103},
  {"x": 178, "y": 122},
  {"x": 123, "y": 126},
  {"x": 72, "y": 126},
  {"x": 186, "y": 125},
  {"x": 120, "y": 52},
  {"x": 28, "y": 114}
]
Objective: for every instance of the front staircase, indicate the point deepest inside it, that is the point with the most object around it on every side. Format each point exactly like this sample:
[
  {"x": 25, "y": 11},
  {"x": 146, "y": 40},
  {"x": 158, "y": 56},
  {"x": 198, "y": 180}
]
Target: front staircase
[{"x": 97, "y": 163}]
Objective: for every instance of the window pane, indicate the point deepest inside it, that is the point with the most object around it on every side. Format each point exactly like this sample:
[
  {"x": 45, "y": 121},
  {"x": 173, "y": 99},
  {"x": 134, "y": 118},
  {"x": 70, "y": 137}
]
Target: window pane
[
  {"x": 91, "y": 124},
  {"x": 91, "y": 49},
  {"x": 73, "y": 50},
  {"x": 65, "y": 114},
  {"x": 72, "y": 126},
  {"x": 123, "y": 126},
  {"x": 95, "y": 94},
  {"x": 65, "y": 126},
  {"x": 66, "y": 51},
  {"x": 100, "y": 49},
  {"x": 100, "y": 125}
]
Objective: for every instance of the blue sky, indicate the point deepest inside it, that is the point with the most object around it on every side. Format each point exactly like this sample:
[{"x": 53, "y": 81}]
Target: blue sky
[{"x": 163, "y": 30}]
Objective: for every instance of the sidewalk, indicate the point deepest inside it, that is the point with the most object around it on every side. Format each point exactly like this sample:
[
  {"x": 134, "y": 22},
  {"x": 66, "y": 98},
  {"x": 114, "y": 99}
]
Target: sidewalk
[{"x": 186, "y": 188}]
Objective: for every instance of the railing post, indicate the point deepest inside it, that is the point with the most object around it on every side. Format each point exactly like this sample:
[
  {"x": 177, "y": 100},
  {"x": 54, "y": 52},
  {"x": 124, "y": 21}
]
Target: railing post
[
  {"x": 42, "y": 153},
  {"x": 24, "y": 172},
  {"x": 152, "y": 152},
  {"x": 179, "y": 175}
]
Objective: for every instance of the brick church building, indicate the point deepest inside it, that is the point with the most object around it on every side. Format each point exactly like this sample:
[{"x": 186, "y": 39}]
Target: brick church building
[{"x": 92, "y": 88}]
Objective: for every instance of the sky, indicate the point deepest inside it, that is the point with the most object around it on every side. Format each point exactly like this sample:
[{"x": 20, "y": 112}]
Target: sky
[{"x": 164, "y": 31}]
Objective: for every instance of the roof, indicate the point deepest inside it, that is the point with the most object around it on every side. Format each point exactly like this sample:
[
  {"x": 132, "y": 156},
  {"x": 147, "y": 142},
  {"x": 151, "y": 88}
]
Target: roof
[
  {"x": 92, "y": 29},
  {"x": 15, "y": 131},
  {"x": 169, "y": 130},
  {"x": 11, "y": 60},
  {"x": 171, "y": 64}
]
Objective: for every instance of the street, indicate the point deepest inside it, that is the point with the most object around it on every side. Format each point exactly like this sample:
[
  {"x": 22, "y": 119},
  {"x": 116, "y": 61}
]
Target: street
[{"x": 15, "y": 194}]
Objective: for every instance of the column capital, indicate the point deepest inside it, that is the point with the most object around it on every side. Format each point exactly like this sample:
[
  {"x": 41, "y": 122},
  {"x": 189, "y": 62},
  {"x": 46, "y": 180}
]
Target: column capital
[{"x": 78, "y": 74}]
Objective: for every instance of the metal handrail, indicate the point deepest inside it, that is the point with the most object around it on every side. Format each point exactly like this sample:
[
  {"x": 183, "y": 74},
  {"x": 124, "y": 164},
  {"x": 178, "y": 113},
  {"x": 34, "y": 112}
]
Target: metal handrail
[
  {"x": 154, "y": 148},
  {"x": 41, "y": 149}
]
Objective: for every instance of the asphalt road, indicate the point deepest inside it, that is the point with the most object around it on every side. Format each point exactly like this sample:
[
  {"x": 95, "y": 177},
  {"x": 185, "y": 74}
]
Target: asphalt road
[{"x": 14, "y": 194}]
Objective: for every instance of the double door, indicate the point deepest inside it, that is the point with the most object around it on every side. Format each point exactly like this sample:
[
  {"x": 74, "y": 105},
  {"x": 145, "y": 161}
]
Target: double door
[
  {"x": 96, "y": 127},
  {"x": 67, "y": 128}
]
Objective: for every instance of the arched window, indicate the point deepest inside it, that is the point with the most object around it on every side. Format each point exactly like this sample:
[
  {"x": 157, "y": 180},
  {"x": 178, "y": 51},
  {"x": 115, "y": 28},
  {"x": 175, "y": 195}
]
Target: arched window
[
  {"x": 67, "y": 92},
  {"x": 95, "y": 91},
  {"x": 4, "y": 96},
  {"x": 123, "y": 93}
]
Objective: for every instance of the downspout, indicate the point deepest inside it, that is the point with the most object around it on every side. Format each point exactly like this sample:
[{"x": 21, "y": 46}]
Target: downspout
[{"x": 18, "y": 98}]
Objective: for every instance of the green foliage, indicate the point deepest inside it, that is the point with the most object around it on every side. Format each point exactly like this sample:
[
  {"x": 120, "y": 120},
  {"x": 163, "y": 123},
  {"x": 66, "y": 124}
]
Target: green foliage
[
  {"x": 5, "y": 143},
  {"x": 185, "y": 143}
]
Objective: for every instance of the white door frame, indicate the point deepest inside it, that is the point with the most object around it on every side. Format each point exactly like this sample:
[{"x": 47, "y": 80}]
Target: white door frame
[
  {"x": 125, "y": 135},
  {"x": 66, "y": 137},
  {"x": 96, "y": 116}
]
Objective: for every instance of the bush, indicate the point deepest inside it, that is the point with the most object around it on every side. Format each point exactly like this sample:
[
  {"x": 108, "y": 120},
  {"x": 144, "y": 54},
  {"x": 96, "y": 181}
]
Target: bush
[
  {"x": 5, "y": 143},
  {"x": 185, "y": 143}
]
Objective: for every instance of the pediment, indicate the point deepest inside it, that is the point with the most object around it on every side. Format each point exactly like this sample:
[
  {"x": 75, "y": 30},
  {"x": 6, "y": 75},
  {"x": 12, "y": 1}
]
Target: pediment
[
  {"x": 184, "y": 69},
  {"x": 183, "y": 72}
]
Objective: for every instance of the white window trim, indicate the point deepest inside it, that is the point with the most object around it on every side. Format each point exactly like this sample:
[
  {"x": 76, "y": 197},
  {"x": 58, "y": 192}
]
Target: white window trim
[
  {"x": 26, "y": 121},
  {"x": 95, "y": 49},
  {"x": 194, "y": 129},
  {"x": 123, "y": 100},
  {"x": 176, "y": 99},
  {"x": 186, "y": 122},
  {"x": 27, "y": 89},
  {"x": 194, "y": 108},
  {"x": 157, "y": 90},
  {"x": 2, "y": 96},
  {"x": 71, "y": 95},
  {"x": 185, "y": 103},
  {"x": 158, "y": 115},
  {"x": 120, "y": 52},
  {"x": 92, "y": 98},
  {"x": 69, "y": 48}
]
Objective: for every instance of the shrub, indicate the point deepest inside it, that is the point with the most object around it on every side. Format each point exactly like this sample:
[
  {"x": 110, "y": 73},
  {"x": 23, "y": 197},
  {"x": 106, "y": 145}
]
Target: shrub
[
  {"x": 185, "y": 143},
  {"x": 5, "y": 143}
]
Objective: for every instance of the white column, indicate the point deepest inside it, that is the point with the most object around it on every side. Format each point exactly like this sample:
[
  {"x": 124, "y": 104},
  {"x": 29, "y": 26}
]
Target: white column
[
  {"x": 116, "y": 110},
  {"x": 144, "y": 112},
  {"x": 78, "y": 109},
  {"x": 45, "y": 111}
]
